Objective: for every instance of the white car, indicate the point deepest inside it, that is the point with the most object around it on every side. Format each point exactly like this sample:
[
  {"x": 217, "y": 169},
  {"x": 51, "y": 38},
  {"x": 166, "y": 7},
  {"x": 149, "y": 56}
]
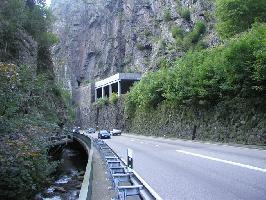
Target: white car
[{"x": 116, "y": 132}]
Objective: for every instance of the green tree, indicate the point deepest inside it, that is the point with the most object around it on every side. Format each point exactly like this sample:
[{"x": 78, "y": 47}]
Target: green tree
[
  {"x": 236, "y": 68},
  {"x": 236, "y": 16}
]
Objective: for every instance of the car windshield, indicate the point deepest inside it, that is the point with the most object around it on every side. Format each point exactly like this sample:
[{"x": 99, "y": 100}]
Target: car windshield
[{"x": 104, "y": 132}]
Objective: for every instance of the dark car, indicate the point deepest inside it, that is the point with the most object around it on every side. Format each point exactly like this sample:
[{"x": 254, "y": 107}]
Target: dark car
[
  {"x": 104, "y": 134},
  {"x": 76, "y": 130}
]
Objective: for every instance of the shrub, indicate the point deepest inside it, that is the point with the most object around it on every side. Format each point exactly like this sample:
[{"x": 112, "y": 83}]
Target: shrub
[
  {"x": 28, "y": 112},
  {"x": 163, "y": 63},
  {"x": 147, "y": 32},
  {"x": 113, "y": 98},
  {"x": 185, "y": 13},
  {"x": 198, "y": 31},
  {"x": 140, "y": 46},
  {"x": 236, "y": 16},
  {"x": 167, "y": 16},
  {"x": 237, "y": 68},
  {"x": 177, "y": 32},
  {"x": 102, "y": 102},
  {"x": 148, "y": 93},
  {"x": 189, "y": 40},
  {"x": 25, "y": 171}
]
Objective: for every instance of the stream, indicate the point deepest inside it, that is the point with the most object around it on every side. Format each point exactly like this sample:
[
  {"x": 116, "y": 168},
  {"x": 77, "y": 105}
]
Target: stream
[{"x": 69, "y": 175}]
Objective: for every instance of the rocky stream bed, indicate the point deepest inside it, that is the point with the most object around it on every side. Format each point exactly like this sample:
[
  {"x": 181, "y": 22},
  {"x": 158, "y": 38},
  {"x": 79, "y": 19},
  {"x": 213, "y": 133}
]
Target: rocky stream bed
[{"x": 68, "y": 177}]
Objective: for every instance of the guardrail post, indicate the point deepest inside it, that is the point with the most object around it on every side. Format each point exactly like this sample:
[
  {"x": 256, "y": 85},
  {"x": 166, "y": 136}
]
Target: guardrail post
[{"x": 130, "y": 158}]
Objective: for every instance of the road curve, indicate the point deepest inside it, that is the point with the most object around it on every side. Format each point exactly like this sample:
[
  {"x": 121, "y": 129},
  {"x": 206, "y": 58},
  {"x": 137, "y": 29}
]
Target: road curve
[{"x": 185, "y": 170}]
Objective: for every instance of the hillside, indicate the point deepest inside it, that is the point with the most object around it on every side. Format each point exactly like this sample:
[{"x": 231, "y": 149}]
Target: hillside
[
  {"x": 202, "y": 61},
  {"x": 32, "y": 106},
  {"x": 101, "y": 38}
]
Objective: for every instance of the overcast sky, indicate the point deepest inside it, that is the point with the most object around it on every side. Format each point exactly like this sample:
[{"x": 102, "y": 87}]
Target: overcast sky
[{"x": 48, "y": 2}]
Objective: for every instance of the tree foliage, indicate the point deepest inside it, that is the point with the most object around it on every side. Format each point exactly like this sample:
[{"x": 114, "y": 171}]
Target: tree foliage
[
  {"x": 236, "y": 16},
  {"x": 190, "y": 40},
  {"x": 32, "y": 107},
  {"x": 237, "y": 68},
  {"x": 29, "y": 112},
  {"x": 32, "y": 17},
  {"x": 113, "y": 98}
]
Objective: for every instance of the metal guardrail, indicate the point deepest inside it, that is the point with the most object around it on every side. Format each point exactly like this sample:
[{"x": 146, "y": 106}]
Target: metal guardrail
[
  {"x": 126, "y": 182},
  {"x": 86, "y": 188}
]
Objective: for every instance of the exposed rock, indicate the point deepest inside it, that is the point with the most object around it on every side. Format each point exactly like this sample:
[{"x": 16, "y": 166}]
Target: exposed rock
[
  {"x": 100, "y": 38},
  {"x": 78, "y": 186},
  {"x": 81, "y": 173},
  {"x": 27, "y": 49},
  {"x": 238, "y": 121},
  {"x": 80, "y": 178},
  {"x": 59, "y": 189},
  {"x": 38, "y": 197}
]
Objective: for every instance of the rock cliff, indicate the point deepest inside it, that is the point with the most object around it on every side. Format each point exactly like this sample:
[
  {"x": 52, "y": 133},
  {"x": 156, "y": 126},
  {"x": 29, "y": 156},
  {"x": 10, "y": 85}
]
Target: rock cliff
[{"x": 99, "y": 38}]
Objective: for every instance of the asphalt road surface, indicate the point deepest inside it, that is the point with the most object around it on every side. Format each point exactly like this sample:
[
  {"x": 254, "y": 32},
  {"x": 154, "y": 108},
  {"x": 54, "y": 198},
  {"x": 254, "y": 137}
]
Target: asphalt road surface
[{"x": 179, "y": 170}]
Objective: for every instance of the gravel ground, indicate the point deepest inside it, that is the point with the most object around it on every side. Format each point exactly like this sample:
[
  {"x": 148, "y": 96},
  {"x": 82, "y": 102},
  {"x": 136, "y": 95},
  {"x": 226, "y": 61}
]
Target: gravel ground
[{"x": 100, "y": 183}]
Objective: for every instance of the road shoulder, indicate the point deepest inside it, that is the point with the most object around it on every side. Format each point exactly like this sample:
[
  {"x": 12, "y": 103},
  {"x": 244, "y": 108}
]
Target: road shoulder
[
  {"x": 167, "y": 139},
  {"x": 100, "y": 184}
]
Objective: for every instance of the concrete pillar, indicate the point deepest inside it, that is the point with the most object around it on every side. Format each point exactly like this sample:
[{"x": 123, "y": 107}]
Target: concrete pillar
[
  {"x": 119, "y": 88},
  {"x": 110, "y": 90},
  {"x": 103, "y": 94}
]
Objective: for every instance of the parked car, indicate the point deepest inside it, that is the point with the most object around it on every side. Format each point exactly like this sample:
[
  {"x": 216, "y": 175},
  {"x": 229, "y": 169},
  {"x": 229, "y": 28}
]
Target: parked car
[
  {"x": 104, "y": 134},
  {"x": 76, "y": 130},
  {"x": 91, "y": 130},
  {"x": 116, "y": 132}
]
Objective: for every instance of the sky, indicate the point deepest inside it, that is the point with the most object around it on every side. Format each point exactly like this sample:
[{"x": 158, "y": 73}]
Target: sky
[{"x": 48, "y": 2}]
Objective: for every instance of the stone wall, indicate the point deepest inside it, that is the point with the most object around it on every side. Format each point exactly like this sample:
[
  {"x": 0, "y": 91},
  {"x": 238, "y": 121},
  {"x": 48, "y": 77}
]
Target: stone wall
[
  {"x": 236, "y": 120},
  {"x": 105, "y": 117}
]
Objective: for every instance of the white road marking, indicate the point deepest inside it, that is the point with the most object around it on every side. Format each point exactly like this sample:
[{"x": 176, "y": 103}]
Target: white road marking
[
  {"x": 132, "y": 140},
  {"x": 157, "y": 145},
  {"x": 141, "y": 142},
  {"x": 223, "y": 161}
]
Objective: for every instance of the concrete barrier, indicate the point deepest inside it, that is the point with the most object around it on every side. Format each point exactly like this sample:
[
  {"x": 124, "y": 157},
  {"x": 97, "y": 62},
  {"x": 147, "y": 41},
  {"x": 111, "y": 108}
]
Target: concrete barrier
[{"x": 86, "y": 188}]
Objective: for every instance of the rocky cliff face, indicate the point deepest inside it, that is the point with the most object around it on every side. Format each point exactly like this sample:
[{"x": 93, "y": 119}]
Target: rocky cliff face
[
  {"x": 26, "y": 49},
  {"x": 99, "y": 38}
]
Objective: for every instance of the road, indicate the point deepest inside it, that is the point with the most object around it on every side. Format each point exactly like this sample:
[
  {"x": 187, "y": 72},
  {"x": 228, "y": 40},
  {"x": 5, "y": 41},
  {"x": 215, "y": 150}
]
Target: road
[{"x": 186, "y": 170}]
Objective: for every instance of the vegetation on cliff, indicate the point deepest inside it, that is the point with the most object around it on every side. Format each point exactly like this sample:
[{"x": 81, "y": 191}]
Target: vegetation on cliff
[
  {"x": 234, "y": 69},
  {"x": 31, "y": 105},
  {"x": 236, "y": 16}
]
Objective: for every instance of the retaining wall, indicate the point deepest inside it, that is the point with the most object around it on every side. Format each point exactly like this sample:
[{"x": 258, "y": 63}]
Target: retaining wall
[{"x": 236, "y": 120}]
